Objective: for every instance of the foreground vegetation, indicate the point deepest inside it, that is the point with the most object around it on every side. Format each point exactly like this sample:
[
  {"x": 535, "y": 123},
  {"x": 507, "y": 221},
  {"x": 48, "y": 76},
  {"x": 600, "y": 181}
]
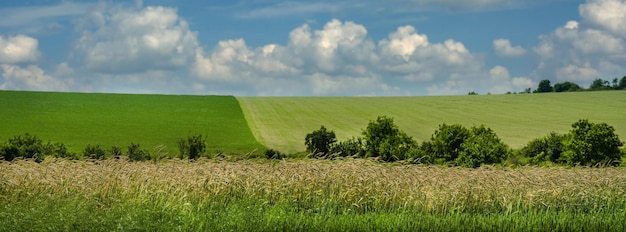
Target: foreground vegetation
[{"x": 115, "y": 195}]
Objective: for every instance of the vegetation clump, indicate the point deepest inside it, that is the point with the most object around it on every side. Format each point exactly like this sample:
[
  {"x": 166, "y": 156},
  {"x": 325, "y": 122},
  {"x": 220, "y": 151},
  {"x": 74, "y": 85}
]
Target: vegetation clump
[
  {"x": 319, "y": 142},
  {"x": 193, "y": 147},
  {"x": 32, "y": 147}
]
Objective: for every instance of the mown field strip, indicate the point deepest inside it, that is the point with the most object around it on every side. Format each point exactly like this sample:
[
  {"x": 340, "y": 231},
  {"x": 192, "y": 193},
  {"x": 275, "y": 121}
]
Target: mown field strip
[
  {"x": 79, "y": 119},
  {"x": 283, "y": 122}
]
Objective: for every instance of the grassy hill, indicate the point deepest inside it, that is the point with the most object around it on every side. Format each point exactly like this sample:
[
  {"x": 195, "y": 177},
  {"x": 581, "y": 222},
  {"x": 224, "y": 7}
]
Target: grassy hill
[
  {"x": 283, "y": 122},
  {"x": 78, "y": 119}
]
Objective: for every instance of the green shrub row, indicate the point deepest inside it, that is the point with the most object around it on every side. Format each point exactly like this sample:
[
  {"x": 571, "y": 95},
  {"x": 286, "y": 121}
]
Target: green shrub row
[
  {"x": 31, "y": 147},
  {"x": 587, "y": 143}
]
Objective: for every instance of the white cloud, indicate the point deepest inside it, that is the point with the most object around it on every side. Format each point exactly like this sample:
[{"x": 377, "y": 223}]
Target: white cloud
[
  {"x": 503, "y": 48},
  {"x": 133, "y": 41},
  {"x": 27, "y": 16},
  {"x": 30, "y": 78},
  {"x": 582, "y": 52},
  {"x": 18, "y": 49},
  {"x": 607, "y": 14}
]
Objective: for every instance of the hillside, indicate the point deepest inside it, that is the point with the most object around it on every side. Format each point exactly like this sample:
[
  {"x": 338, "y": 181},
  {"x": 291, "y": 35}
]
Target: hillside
[
  {"x": 78, "y": 119},
  {"x": 283, "y": 122}
]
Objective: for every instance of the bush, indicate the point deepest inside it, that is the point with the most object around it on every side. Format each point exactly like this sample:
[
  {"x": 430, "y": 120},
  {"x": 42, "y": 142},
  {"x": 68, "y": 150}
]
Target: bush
[
  {"x": 320, "y": 141},
  {"x": 350, "y": 147},
  {"x": 135, "y": 153},
  {"x": 273, "y": 154},
  {"x": 93, "y": 152},
  {"x": 385, "y": 140},
  {"x": 482, "y": 147},
  {"x": 116, "y": 152},
  {"x": 447, "y": 141},
  {"x": 191, "y": 148},
  {"x": 31, "y": 147},
  {"x": 548, "y": 148},
  {"x": 592, "y": 144}
]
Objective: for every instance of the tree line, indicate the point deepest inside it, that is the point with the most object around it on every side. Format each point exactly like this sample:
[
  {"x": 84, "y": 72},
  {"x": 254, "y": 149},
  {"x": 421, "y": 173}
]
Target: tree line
[
  {"x": 587, "y": 143},
  {"x": 597, "y": 85}
]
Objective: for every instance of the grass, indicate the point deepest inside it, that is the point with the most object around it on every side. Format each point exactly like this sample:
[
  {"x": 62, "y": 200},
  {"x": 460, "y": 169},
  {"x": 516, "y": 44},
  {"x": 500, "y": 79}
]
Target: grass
[
  {"x": 314, "y": 195},
  {"x": 79, "y": 119},
  {"x": 282, "y": 122}
]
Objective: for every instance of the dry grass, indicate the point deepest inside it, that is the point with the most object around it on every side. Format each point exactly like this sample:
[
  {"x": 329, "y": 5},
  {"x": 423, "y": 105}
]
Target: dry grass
[{"x": 338, "y": 186}]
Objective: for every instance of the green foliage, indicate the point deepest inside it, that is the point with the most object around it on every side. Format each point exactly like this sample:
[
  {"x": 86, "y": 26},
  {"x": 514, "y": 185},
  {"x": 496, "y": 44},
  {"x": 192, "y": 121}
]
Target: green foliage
[
  {"x": 93, "y": 152},
  {"x": 135, "y": 153},
  {"x": 273, "y": 154},
  {"x": 482, "y": 147},
  {"x": 599, "y": 84},
  {"x": 193, "y": 147},
  {"x": 320, "y": 141},
  {"x": 544, "y": 86},
  {"x": 116, "y": 152},
  {"x": 566, "y": 87},
  {"x": 622, "y": 84},
  {"x": 31, "y": 147},
  {"x": 350, "y": 147},
  {"x": 592, "y": 144},
  {"x": 447, "y": 140},
  {"x": 385, "y": 140},
  {"x": 548, "y": 148}
]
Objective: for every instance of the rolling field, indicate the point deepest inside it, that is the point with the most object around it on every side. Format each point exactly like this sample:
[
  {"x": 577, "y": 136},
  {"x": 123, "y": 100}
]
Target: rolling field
[
  {"x": 78, "y": 119},
  {"x": 283, "y": 122}
]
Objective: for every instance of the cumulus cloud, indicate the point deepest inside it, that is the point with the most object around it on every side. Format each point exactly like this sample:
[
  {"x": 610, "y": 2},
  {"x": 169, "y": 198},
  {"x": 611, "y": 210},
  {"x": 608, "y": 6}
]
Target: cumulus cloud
[
  {"x": 18, "y": 49},
  {"x": 607, "y": 14},
  {"x": 136, "y": 40},
  {"x": 30, "y": 78},
  {"x": 503, "y": 48},
  {"x": 582, "y": 52}
]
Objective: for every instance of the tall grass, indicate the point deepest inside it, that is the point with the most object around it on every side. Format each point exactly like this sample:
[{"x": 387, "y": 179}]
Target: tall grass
[{"x": 317, "y": 195}]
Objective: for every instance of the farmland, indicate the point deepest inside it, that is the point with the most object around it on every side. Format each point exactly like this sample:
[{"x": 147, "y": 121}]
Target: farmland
[
  {"x": 283, "y": 122},
  {"x": 79, "y": 119},
  {"x": 309, "y": 195}
]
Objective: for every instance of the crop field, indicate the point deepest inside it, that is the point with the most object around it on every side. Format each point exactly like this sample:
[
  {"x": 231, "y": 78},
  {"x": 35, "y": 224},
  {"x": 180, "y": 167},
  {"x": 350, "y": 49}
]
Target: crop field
[
  {"x": 78, "y": 119},
  {"x": 309, "y": 195},
  {"x": 283, "y": 122}
]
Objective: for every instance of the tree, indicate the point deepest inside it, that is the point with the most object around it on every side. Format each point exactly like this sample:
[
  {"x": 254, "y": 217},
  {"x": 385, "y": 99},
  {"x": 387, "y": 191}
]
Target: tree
[
  {"x": 599, "y": 84},
  {"x": 192, "y": 147},
  {"x": 622, "y": 83},
  {"x": 544, "y": 86},
  {"x": 482, "y": 147},
  {"x": 447, "y": 140},
  {"x": 320, "y": 141},
  {"x": 385, "y": 140},
  {"x": 566, "y": 87},
  {"x": 592, "y": 144}
]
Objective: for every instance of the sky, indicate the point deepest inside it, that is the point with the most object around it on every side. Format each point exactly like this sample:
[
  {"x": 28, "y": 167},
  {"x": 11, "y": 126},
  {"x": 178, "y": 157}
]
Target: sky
[{"x": 309, "y": 48}]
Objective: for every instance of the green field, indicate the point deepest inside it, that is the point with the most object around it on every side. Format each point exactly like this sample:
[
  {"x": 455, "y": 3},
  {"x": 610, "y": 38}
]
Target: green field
[
  {"x": 79, "y": 119},
  {"x": 283, "y": 122}
]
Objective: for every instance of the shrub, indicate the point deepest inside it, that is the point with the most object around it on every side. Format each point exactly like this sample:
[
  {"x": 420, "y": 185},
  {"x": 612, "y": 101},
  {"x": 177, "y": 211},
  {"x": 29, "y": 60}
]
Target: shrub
[
  {"x": 482, "y": 147},
  {"x": 320, "y": 141},
  {"x": 548, "y": 148},
  {"x": 135, "y": 153},
  {"x": 273, "y": 154},
  {"x": 385, "y": 140},
  {"x": 116, "y": 152},
  {"x": 592, "y": 144},
  {"x": 93, "y": 152},
  {"x": 350, "y": 147},
  {"x": 447, "y": 141},
  {"x": 31, "y": 147},
  {"x": 191, "y": 148}
]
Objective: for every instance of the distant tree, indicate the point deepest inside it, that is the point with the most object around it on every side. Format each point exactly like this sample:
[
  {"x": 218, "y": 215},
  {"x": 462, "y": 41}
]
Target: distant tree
[
  {"x": 544, "y": 87},
  {"x": 526, "y": 90},
  {"x": 472, "y": 93},
  {"x": 622, "y": 83},
  {"x": 615, "y": 83},
  {"x": 482, "y": 147},
  {"x": 320, "y": 141},
  {"x": 599, "y": 84},
  {"x": 566, "y": 87}
]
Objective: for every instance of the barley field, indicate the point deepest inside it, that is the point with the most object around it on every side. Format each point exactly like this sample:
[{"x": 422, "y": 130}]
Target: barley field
[{"x": 313, "y": 195}]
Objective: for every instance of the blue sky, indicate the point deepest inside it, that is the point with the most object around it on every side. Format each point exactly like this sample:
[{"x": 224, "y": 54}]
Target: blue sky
[{"x": 309, "y": 48}]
